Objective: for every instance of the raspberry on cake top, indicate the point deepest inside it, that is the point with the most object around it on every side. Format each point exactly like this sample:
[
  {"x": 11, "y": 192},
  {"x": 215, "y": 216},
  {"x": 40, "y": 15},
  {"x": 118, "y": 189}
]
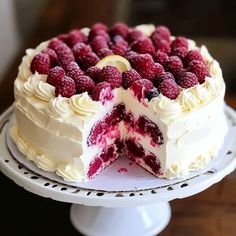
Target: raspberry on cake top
[{"x": 85, "y": 97}]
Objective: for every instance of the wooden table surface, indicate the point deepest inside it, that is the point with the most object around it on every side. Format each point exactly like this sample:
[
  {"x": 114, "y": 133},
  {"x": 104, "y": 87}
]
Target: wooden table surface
[{"x": 212, "y": 212}]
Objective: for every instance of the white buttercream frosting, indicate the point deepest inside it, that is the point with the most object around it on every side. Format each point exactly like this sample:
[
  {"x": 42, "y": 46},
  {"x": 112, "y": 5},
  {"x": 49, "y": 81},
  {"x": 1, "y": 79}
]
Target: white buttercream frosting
[
  {"x": 30, "y": 85},
  {"x": 26, "y": 148},
  {"x": 72, "y": 171},
  {"x": 84, "y": 106},
  {"x": 165, "y": 107},
  {"x": 60, "y": 107},
  {"x": 45, "y": 163},
  {"x": 146, "y": 29},
  {"x": 85, "y": 30},
  {"x": 44, "y": 91}
]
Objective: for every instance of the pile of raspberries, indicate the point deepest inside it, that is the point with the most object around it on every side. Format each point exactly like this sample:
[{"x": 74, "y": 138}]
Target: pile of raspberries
[{"x": 159, "y": 64}]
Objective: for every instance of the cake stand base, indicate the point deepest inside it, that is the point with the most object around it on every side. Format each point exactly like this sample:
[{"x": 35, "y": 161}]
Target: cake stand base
[{"x": 147, "y": 220}]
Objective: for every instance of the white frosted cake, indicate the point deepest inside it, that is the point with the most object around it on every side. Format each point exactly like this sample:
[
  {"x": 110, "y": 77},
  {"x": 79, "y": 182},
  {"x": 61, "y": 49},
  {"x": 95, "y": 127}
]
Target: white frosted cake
[{"x": 85, "y": 98}]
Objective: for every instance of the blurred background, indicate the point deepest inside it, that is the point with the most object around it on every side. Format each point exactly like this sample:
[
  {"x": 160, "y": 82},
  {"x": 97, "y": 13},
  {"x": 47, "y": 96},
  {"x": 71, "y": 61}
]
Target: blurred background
[{"x": 25, "y": 23}]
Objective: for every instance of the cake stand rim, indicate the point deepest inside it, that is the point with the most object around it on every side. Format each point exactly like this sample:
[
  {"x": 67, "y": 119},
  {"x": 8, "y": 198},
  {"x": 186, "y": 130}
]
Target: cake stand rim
[{"x": 109, "y": 199}]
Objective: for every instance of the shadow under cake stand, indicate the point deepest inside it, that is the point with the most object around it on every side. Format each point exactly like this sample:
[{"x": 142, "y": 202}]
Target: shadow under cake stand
[{"x": 122, "y": 207}]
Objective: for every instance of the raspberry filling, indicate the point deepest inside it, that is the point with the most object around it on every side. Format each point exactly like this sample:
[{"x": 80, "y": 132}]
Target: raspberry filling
[
  {"x": 137, "y": 154},
  {"x": 108, "y": 130},
  {"x": 108, "y": 155},
  {"x": 145, "y": 127}
]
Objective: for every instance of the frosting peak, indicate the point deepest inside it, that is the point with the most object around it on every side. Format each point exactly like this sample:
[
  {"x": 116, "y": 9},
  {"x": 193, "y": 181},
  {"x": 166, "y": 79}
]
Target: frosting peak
[
  {"x": 60, "y": 107},
  {"x": 84, "y": 106}
]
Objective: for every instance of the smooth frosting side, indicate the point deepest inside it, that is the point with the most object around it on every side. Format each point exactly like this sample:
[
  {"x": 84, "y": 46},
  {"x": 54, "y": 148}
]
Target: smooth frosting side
[{"x": 25, "y": 147}]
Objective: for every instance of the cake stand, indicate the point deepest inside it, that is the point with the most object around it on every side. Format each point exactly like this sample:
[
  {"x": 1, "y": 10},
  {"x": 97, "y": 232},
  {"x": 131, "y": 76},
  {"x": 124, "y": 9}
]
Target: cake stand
[{"x": 138, "y": 211}]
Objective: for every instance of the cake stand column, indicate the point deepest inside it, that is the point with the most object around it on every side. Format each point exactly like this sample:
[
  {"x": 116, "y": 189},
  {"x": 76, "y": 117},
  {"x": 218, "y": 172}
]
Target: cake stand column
[{"x": 147, "y": 220}]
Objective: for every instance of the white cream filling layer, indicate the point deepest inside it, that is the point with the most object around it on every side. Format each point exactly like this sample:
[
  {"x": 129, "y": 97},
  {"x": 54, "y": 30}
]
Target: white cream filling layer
[{"x": 52, "y": 131}]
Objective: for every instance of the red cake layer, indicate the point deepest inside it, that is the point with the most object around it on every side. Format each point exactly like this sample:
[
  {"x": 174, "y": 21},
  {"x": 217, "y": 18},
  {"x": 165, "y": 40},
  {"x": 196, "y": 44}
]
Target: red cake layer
[
  {"x": 135, "y": 152},
  {"x": 108, "y": 129}
]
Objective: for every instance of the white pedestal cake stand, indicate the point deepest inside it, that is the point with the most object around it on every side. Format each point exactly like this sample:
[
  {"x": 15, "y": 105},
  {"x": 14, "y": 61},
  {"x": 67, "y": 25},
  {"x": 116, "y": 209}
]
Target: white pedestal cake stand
[{"x": 138, "y": 211}]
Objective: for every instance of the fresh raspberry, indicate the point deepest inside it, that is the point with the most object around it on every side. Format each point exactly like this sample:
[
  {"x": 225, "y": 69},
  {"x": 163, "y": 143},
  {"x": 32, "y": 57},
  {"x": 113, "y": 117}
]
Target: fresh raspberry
[
  {"x": 152, "y": 94},
  {"x": 80, "y": 50},
  {"x": 141, "y": 87},
  {"x": 169, "y": 88},
  {"x": 100, "y": 91},
  {"x": 162, "y": 77},
  {"x": 187, "y": 80},
  {"x": 118, "y": 48},
  {"x": 65, "y": 55},
  {"x": 52, "y": 55},
  {"x": 199, "y": 69},
  {"x": 143, "y": 45},
  {"x": 174, "y": 64},
  {"x": 73, "y": 70},
  {"x": 40, "y": 63},
  {"x": 93, "y": 72},
  {"x": 162, "y": 32},
  {"x": 160, "y": 57},
  {"x": 158, "y": 69},
  {"x": 111, "y": 75},
  {"x": 161, "y": 45},
  {"x": 55, "y": 74},
  {"x": 84, "y": 84},
  {"x": 65, "y": 87},
  {"x": 120, "y": 29},
  {"x": 98, "y": 43},
  {"x": 192, "y": 55},
  {"x": 74, "y": 37},
  {"x": 104, "y": 52},
  {"x": 99, "y": 32},
  {"x": 88, "y": 60},
  {"x": 99, "y": 26},
  {"x": 134, "y": 35},
  {"x": 179, "y": 42},
  {"x": 53, "y": 43},
  {"x": 181, "y": 52},
  {"x": 144, "y": 64},
  {"x": 128, "y": 77}
]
